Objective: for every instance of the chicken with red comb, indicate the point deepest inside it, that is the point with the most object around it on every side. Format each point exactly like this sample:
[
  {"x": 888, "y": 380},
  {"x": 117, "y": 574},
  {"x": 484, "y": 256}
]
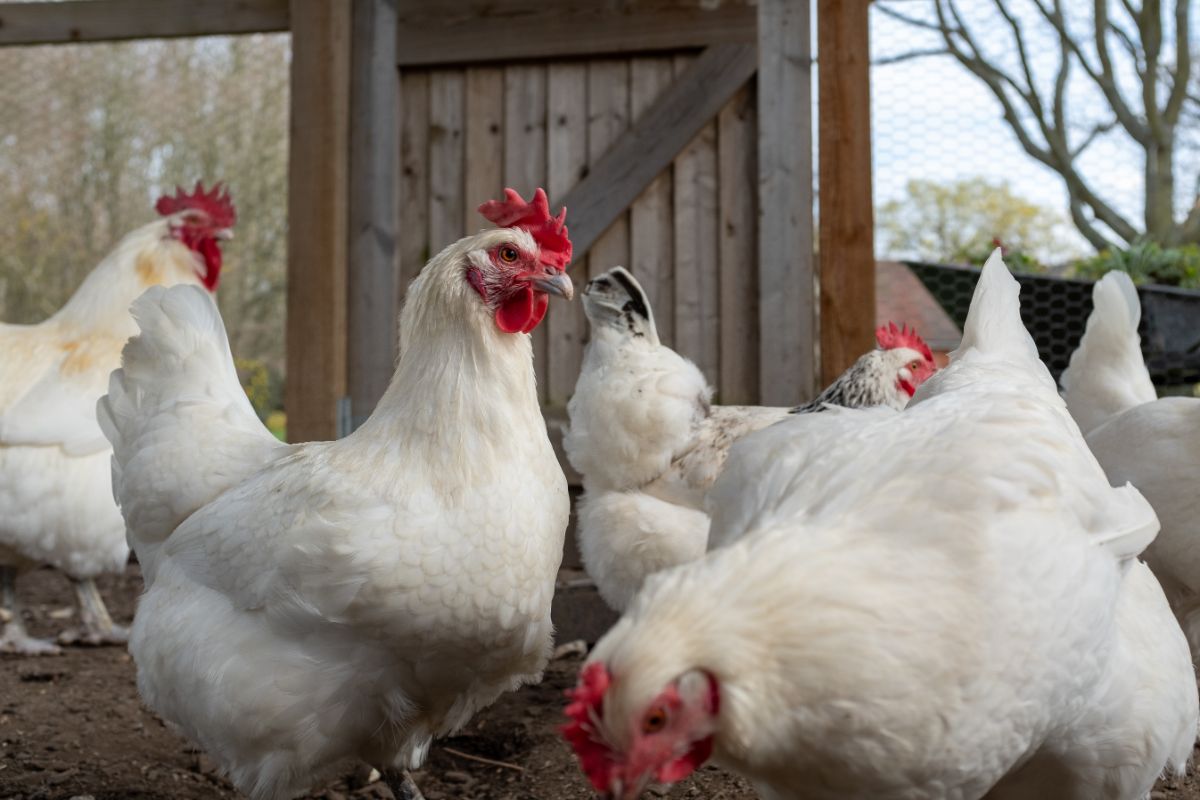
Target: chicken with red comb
[
  {"x": 56, "y": 504},
  {"x": 649, "y": 442},
  {"x": 939, "y": 602},
  {"x": 361, "y": 597}
]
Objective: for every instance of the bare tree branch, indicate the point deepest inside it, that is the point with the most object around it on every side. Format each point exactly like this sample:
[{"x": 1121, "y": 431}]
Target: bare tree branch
[
  {"x": 1183, "y": 63},
  {"x": 912, "y": 55},
  {"x": 1093, "y": 134},
  {"x": 1056, "y": 153},
  {"x": 887, "y": 10},
  {"x": 1107, "y": 79}
]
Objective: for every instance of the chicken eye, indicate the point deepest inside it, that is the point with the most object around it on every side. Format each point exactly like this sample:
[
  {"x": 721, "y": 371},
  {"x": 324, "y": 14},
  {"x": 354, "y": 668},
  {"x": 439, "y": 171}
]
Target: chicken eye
[
  {"x": 655, "y": 721},
  {"x": 509, "y": 255},
  {"x": 914, "y": 365}
]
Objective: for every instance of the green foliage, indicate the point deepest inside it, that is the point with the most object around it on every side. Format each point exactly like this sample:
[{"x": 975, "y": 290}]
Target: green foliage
[
  {"x": 1147, "y": 262},
  {"x": 277, "y": 424},
  {"x": 263, "y": 388},
  {"x": 91, "y": 134},
  {"x": 963, "y": 221}
]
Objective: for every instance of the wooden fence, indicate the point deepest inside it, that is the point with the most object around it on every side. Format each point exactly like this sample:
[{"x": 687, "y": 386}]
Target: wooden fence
[
  {"x": 677, "y": 132},
  {"x": 689, "y": 237}
]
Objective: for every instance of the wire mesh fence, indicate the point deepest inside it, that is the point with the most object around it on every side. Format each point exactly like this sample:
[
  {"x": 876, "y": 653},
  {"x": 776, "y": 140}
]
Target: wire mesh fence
[
  {"x": 92, "y": 134},
  {"x": 951, "y": 165}
]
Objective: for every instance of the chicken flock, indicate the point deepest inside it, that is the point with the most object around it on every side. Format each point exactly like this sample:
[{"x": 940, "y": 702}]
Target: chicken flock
[{"x": 953, "y": 583}]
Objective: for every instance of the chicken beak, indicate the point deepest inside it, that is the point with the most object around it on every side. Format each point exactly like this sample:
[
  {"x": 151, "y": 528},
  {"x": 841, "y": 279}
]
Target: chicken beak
[
  {"x": 556, "y": 282},
  {"x": 223, "y": 233}
]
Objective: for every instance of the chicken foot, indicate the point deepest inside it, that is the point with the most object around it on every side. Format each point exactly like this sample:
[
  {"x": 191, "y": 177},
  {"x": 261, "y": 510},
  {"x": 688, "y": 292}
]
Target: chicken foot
[
  {"x": 96, "y": 626},
  {"x": 14, "y": 638},
  {"x": 401, "y": 784}
]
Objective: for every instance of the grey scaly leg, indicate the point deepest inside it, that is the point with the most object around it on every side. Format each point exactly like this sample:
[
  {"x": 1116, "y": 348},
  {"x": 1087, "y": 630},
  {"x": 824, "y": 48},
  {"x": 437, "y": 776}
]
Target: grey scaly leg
[
  {"x": 96, "y": 626},
  {"x": 402, "y": 785},
  {"x": 14, "y": 638}
]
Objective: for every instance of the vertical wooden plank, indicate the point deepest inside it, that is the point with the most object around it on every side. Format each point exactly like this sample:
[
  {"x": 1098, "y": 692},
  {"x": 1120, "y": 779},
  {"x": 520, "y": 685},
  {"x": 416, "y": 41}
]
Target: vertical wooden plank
[
  {"x": 787, "y": 285},
  {"x": 525, "y": 160},
  {"x": 847, "y": 234},
  {"x": 651, "y": 233},
  {"x": 738, "y": 178},
  {"x": 485, "y": 143},
  {"x": 697, "y": 279},
  {"x": 413, "y": 242},
  {"x": 608, "y": 118},
  {"x": 318, "y": 169},
  {"x": 446, "y": 102},
  {"x": 374, "y": 151},
  {"x": 566, "y": 150}
]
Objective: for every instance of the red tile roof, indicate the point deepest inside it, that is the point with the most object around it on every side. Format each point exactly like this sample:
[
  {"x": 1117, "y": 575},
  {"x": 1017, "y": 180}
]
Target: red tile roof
[{"x": 901, "y": 298}]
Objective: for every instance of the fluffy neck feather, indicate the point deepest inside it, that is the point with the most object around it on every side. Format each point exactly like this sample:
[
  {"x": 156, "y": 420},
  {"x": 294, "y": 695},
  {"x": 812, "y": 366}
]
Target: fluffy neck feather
[
  {"x": 145, "y": 257},
  {"x": 462, "y": 387}
]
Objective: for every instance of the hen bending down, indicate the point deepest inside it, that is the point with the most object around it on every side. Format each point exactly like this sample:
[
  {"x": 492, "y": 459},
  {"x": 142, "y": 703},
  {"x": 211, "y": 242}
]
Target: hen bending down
[
  {"x": 356, "y": 598},
  {"x": 56, "y": 498},
  {"x": 649, "y": 443},
  {"x": 1152, "y": 443},
  {"x": 942, "y": 602}
]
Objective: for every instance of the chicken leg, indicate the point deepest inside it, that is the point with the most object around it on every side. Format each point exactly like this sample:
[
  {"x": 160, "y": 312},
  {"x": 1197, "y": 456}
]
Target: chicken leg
[
  {"x": 402, "y": 785},
  {"x": 15, "y": 639},
  {"x": 96, "y": 626}
]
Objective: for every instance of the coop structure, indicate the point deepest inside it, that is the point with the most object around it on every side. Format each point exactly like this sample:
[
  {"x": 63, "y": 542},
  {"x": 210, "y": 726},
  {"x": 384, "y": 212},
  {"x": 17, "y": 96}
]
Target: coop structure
[{"x": 677, "y": 132}]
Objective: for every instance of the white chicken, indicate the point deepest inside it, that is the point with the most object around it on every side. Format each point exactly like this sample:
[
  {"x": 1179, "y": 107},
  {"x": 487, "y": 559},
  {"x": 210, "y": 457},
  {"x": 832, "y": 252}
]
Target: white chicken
[
  {"x": 1152, "y": 443},
  {"x": 356, "y": 598},
  {"x": 943, "y": 602},
  {"x": 56, "y": 499},
  {"x": 649, "y": 444}
]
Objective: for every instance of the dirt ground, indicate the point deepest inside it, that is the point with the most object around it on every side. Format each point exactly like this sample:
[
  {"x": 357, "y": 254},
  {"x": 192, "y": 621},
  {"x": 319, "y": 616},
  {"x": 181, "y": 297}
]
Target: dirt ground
[{"x": 72, "y": 727}]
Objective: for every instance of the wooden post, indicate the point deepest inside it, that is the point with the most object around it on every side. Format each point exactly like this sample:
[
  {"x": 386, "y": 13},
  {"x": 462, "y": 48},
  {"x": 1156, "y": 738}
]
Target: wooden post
[
  {"x": 374, "y": 183},
  {"x": 847, "y": 261},
  {"x": 317, "y": 217},
  {"x": 786, "y": 284}
]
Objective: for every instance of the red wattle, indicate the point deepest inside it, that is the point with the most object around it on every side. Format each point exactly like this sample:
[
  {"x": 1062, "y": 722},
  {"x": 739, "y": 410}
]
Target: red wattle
[
  {"x": 522, "y": 312},
  {"x": 680, "y": 768},
  {"x": 210, "y": 251}
]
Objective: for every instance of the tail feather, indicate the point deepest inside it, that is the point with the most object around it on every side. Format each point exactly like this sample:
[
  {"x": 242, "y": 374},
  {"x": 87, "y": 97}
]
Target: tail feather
[
  {"x": 1107, "y": 374},
  {"x": 182, "y": 429},
  {"x": 994, "y": 324}
]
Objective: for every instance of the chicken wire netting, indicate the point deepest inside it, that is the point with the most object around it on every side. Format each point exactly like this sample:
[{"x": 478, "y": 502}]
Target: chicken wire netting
[
  {"x": 1055, "y": 310},
  {"x": 953, "y": 176},
  {"x": 92, "y": 134},
  {"x": 950, "y": 170}
]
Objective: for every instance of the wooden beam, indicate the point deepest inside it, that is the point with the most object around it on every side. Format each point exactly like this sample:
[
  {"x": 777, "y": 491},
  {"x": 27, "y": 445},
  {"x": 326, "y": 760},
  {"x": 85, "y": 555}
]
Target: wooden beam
[
  {"x": 646, "y": 149},
  {"x": 847, "y": 234},
  {"x": 511, "y": 30},
  {"x": 317, "y": 217},
  {"x": 374, "y": 213},
  {"x": 114, "y": 20},
  {"x": 786, "y": 286}
]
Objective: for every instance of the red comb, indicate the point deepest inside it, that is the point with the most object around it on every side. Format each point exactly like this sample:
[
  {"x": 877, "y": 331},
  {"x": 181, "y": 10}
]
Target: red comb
[
  {"x": 587, "y": 703},
  {"x": 215, "y": 203},
  {"x": 890, "y": 337},
  {"x": 549, "y": 232}
]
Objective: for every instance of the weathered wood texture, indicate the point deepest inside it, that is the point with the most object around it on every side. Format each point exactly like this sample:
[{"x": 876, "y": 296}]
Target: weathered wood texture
[
  {"x": 318, "y": 217},
  {"x": 436, "y": 32},
  {"x": 847, "y": 235},
  {"x": 786, "y": 283},
  {"x": 686, "y": 225},
  {"x": 374, "y": 182},
  {"x": 115, "y": 20}
]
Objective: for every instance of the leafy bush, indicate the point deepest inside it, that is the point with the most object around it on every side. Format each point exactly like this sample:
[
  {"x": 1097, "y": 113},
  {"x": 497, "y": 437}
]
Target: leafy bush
[
  {"x": 1147, "y": 262},
  {"x": 261, "y": 386}
]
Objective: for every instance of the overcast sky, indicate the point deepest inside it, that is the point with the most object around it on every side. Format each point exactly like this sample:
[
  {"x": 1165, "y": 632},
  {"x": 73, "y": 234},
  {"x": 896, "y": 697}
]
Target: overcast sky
[{"x": 933, "y": 119}]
